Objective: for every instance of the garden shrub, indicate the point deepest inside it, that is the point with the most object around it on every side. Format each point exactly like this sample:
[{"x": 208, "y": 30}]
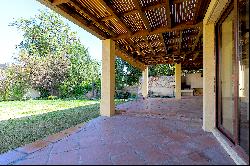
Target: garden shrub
[
  {"x": 44, "y": 93},
  {"x": 14, "y": 84},
  {"x": 122, "y": 95}
]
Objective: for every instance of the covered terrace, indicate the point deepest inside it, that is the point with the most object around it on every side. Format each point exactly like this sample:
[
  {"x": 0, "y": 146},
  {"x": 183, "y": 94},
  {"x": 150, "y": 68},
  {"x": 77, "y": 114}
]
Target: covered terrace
[{"x": 146, "y": 131}]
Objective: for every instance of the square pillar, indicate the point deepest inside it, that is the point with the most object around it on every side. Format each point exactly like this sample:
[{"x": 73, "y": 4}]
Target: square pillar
[
  {"x": 209, "y": 111},
  {"x": 178, "y": 81},
  {"x": 107, "y": 107},
  {"x": 145, "y": 82}
]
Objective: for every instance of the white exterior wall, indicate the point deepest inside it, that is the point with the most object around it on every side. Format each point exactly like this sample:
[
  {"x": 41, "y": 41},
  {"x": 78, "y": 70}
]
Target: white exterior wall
[{"x": 194, "y": 79}]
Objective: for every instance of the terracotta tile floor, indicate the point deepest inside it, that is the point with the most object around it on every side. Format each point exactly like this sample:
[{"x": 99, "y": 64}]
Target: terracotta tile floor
[{"x": 151, "y": 131}]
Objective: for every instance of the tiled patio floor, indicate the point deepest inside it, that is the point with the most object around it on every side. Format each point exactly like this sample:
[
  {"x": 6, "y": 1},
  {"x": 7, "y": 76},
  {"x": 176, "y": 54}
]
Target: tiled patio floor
[{"x": 151, "y": 131}]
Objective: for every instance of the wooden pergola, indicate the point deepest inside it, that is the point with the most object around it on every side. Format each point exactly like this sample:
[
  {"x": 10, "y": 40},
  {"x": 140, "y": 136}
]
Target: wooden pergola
[
  {"x": 185, "y": 33},
  {"x": 146, "y": 32}
]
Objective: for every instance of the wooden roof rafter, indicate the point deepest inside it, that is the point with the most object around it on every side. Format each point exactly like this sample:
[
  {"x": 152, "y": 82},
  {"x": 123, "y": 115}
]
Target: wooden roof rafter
[
  {"x": 196, "y": 13},
  {"x": 149, "y": 45},
  {"x": 179, "y": 1},
  {"x": 111, "y": 11},
  {"x": 198, "y": 37},
  {"x": 134, "y": 45},
  {"x": 196, "y": 55},
  {"x": 123, "y": 54},
  {"x": 90, "y": 15},
  {"x": 144, "y": 9},
  {"x": 162, "y": 40},
  {"x": 58, "y": 2},
  {"x": 180, "y": 41},
  {"x": 156, "y": 31},
  {"x": 81, "y": 22},
  {"x": 142, "y": 15},
  {"x": 184, "y": 57},
  {"x": 167, "y": 8}
]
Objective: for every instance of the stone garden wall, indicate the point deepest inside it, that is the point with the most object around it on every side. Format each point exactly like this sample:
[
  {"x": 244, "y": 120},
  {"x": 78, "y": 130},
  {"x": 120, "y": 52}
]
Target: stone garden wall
[
  {"x": 164, "y": 85},
  {"x": 157, "y": 86}
]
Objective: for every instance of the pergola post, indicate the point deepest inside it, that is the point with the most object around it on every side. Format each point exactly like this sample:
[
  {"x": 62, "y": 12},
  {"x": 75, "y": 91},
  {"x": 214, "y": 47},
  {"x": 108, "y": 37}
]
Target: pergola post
[
  {"x": 145, "y": 82},
  {"x": 107, "y": 107},
  {"x": 209, "y": 121},
  {"x": 178, "y": 81}
]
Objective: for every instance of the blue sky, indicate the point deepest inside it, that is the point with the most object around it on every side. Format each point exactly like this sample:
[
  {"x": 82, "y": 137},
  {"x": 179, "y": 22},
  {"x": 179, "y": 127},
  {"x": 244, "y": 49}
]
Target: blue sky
[{"x": 10, "y": 36}]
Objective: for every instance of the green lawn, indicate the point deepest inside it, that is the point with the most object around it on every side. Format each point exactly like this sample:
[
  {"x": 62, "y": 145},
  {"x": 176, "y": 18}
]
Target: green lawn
[{"x": 23, "y": 122}]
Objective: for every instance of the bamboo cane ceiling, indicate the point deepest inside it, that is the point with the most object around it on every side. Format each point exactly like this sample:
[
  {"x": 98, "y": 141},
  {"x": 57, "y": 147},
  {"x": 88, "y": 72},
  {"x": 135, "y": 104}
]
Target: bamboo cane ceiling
[{"x": 149, "y": 31}]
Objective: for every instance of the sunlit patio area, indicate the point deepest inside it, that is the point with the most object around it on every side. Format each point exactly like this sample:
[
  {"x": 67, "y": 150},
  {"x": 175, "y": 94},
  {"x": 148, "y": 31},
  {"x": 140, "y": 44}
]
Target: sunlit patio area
[
  {"x": 149, "y": 131},
  {"x": 159, "y": 125}
]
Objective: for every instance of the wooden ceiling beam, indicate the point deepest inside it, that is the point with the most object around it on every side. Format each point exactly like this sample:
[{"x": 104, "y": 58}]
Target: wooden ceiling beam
[
  {"x": 198, "y": 37},
  {"x": 134, "y": 45},
  {"x": 120, "y": 21},
  {"x": 149, "y": 45},
  {"x": 87, "y": 24},
  {"x": 184, "y": 57},
  {"x": 162, "y": 40},
  {"x": 58, "y": 2},
  {"x": 174, "y": 54},
  {"x": 144, "y": 9},
  {"x": 156, "y": 31},
  {"x": 130, "y": 12},
  {"x": 180, "y": 1},
  {"x": 196, "y": 13},
  {"x": 134, "y": 62},
  {"x": 154, "y": 6},
  {"x": 90, "y": 15},
  {"x": 173, "y": 58},
  {"x": 107, "y": 18},
  {"x": 167, "y": 9},
  {"x": 142, "y": 15},
  {"x": 143, "y": 42},
  {"x": 77, "y": 19},
  {"x": 180, "y": 41},
  {"x": 184, "y": 54},
  {"x": 196, "y": 55}
]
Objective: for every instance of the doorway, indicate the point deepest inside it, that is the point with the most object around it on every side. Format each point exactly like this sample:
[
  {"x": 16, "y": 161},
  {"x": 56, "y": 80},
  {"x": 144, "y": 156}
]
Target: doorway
[{"x": 232, "y": 73}]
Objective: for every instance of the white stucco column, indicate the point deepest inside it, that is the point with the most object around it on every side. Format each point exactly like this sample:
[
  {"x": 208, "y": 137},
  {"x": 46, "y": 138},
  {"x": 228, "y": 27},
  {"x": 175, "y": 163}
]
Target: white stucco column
[
  {"x": 145, "y": 82},
  {"x": 178, "y": 81},
  {"x": 107, "y": 107}
]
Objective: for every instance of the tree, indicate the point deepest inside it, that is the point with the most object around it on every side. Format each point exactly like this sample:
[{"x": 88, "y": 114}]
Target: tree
[
  {"x": 45, "y": 34},
  {"x": 126, "y": 74},
  {"x": 58, "y": 63},
  {"x": 161, "y": 70},
  {"x": 45, "y": 72},
  {"x": 82, "y": 74}
]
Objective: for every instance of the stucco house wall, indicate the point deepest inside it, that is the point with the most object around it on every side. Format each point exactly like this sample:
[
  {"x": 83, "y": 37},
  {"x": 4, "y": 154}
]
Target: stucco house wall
[{"x": 195, "y": 80}]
